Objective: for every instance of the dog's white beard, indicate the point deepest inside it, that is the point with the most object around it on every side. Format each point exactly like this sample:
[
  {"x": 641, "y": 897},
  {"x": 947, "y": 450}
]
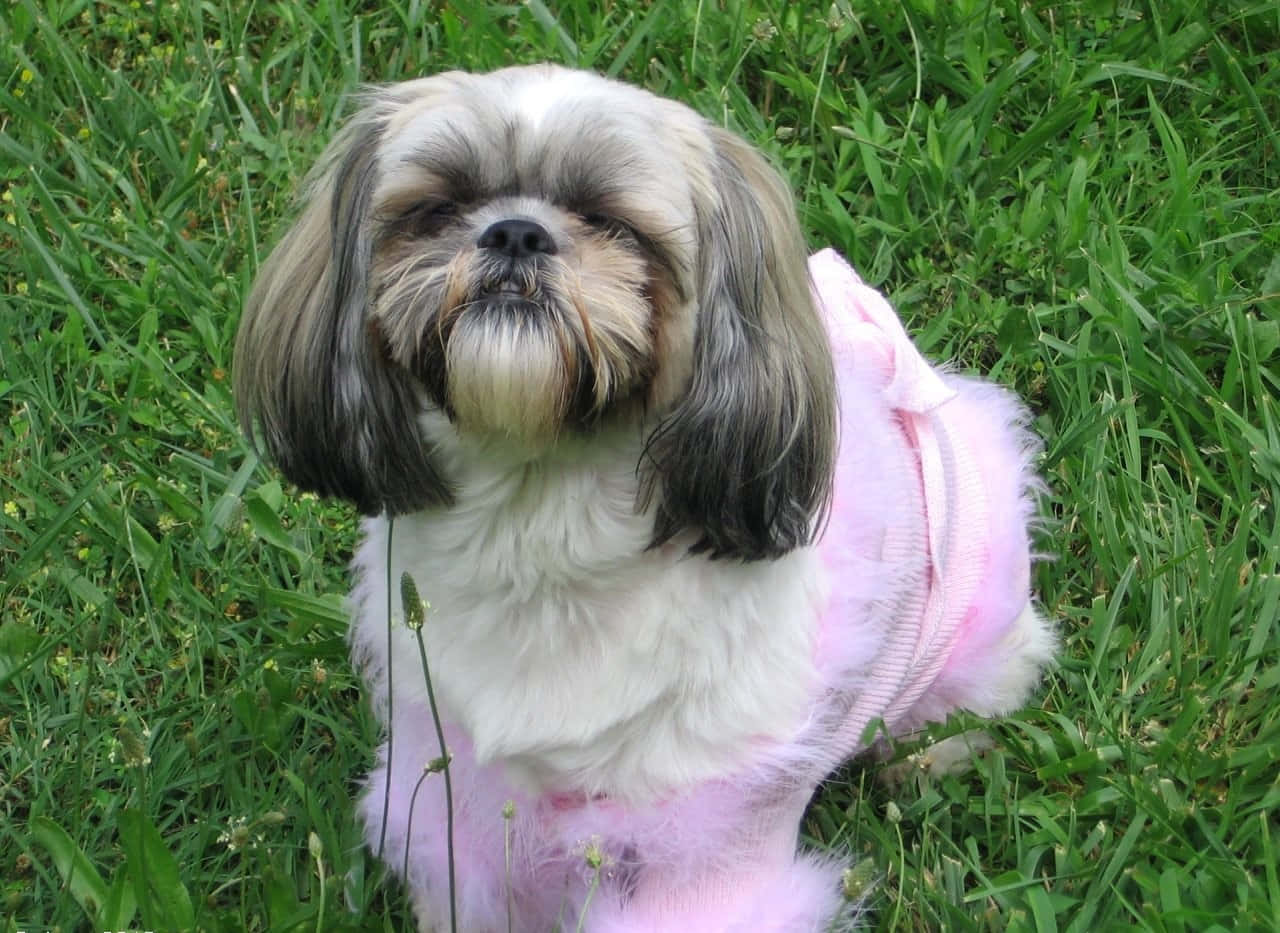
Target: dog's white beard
[{"x": 507, "y": 376}]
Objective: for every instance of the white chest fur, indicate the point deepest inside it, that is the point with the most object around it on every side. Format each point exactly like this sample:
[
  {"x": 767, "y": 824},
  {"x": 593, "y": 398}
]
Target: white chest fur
[{"x": 572, "y": 654}]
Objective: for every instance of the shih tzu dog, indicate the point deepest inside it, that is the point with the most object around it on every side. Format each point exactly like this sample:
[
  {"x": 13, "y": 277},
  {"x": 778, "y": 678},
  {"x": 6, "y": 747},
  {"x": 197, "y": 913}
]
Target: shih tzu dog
[{"x": 695, "y": 520}]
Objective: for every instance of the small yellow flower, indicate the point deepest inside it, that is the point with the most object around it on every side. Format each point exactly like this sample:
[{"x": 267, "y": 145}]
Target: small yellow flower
[
  {"x": 764, "y": 30},
  {"x": 594, "y": 856},
  {"x": 858, "y": 880},
  {"x": 237, "y": 835},
  {"x": 11, "y": 509},
  {"x": 26, "y": 77},
  {"x": 270, "y": 665},
  {"x": 415, "y": 608},
  {"x": 84, "y": 132},
  {"x": 134, "y": 752}
]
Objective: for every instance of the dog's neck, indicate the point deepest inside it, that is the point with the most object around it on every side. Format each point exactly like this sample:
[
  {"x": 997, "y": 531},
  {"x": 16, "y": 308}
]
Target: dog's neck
[{"x": 541, "y": 525}]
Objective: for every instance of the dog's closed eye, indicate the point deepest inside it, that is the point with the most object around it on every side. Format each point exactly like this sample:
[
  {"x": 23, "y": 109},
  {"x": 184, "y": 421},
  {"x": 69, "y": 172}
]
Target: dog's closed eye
[
  {"x": 607, "y": 222},
  {"x": 424, "y": 218}
]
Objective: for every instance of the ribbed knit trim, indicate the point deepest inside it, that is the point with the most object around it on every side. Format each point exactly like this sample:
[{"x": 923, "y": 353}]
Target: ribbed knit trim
[{"x": 768, "y": 846}]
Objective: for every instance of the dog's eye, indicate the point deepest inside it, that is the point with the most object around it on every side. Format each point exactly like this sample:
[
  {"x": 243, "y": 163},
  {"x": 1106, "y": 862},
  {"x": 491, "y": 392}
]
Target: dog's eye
[
  {"x": 426, "y": 218},
  {"x": 607, "y": 223}
]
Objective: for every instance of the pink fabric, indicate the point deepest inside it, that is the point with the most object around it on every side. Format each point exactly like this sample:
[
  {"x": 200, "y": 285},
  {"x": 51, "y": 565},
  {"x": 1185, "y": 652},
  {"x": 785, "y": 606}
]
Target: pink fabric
[
  {"x": 865, "y": 333},
  {"x": 926, "y": 554}
]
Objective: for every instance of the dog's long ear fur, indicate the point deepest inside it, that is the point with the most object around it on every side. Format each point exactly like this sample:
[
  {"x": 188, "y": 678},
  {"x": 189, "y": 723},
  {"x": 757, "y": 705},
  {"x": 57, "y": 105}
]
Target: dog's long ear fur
[
  {"x": 746, "y": 457},
  {"x": 335, "y": 418}
]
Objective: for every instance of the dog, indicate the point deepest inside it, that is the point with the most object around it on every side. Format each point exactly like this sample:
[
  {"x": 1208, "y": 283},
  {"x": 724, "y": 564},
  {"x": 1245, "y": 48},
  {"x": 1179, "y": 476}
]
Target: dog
[{"x": 694, "y": 519}]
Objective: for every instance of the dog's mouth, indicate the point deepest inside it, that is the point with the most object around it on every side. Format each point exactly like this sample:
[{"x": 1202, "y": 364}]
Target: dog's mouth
[
  {"x": 506, "y": 307},
  {"x": 507, "y": 297},
  {"x": 508, "y": 288}
]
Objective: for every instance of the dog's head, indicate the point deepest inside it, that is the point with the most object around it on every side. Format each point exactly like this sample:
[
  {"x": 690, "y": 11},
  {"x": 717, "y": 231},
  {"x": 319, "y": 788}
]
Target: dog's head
[{"x": 539, "y": 254}]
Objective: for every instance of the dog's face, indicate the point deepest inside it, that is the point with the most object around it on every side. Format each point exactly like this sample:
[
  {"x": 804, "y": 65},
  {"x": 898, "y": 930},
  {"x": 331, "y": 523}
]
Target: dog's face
[
  {"x": 543, "y": 254},
  {"x": 534, "y": 284}
]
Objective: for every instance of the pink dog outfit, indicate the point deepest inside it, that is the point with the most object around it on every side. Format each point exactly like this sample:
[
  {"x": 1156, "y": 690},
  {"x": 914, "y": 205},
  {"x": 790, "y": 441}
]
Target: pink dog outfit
[{"x": 927, "y": 576}]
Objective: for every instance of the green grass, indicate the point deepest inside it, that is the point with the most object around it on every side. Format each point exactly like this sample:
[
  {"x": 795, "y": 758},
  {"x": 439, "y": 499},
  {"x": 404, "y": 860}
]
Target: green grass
[{"x": 1079, "y": 198}]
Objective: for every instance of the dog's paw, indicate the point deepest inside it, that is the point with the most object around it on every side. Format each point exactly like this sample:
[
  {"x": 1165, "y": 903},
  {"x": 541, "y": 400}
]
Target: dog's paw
[{"x": 953, "y": 755}]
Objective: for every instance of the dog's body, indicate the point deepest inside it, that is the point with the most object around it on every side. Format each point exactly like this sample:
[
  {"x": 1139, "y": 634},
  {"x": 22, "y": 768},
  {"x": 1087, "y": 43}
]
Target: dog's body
[{"x": 609, "y": 447}]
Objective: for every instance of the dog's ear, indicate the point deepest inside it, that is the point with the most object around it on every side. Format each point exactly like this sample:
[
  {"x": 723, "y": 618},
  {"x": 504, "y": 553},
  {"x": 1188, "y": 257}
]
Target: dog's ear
[
  {"x": 745, "y": 458},
  {"x": 336, "y": 417}
]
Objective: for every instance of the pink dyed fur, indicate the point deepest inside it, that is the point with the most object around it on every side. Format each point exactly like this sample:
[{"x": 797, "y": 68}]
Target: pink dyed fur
[
  {"x": 721, "y": 856},
  {"x": 714, "y": 876}
]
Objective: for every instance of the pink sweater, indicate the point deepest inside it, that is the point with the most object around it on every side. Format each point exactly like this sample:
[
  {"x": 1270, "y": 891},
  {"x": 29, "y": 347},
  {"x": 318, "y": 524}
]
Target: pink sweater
[{"x": 926, "y": 576}]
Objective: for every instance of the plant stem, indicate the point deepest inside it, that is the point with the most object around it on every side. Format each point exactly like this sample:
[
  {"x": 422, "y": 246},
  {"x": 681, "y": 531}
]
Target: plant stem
[
  {"x": 408, "y": 590},
  {"x": 386, "y": 785}
]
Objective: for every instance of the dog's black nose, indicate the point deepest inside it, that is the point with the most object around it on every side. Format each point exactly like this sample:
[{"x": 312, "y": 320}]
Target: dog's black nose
[{"x": 517, "y": 239}]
